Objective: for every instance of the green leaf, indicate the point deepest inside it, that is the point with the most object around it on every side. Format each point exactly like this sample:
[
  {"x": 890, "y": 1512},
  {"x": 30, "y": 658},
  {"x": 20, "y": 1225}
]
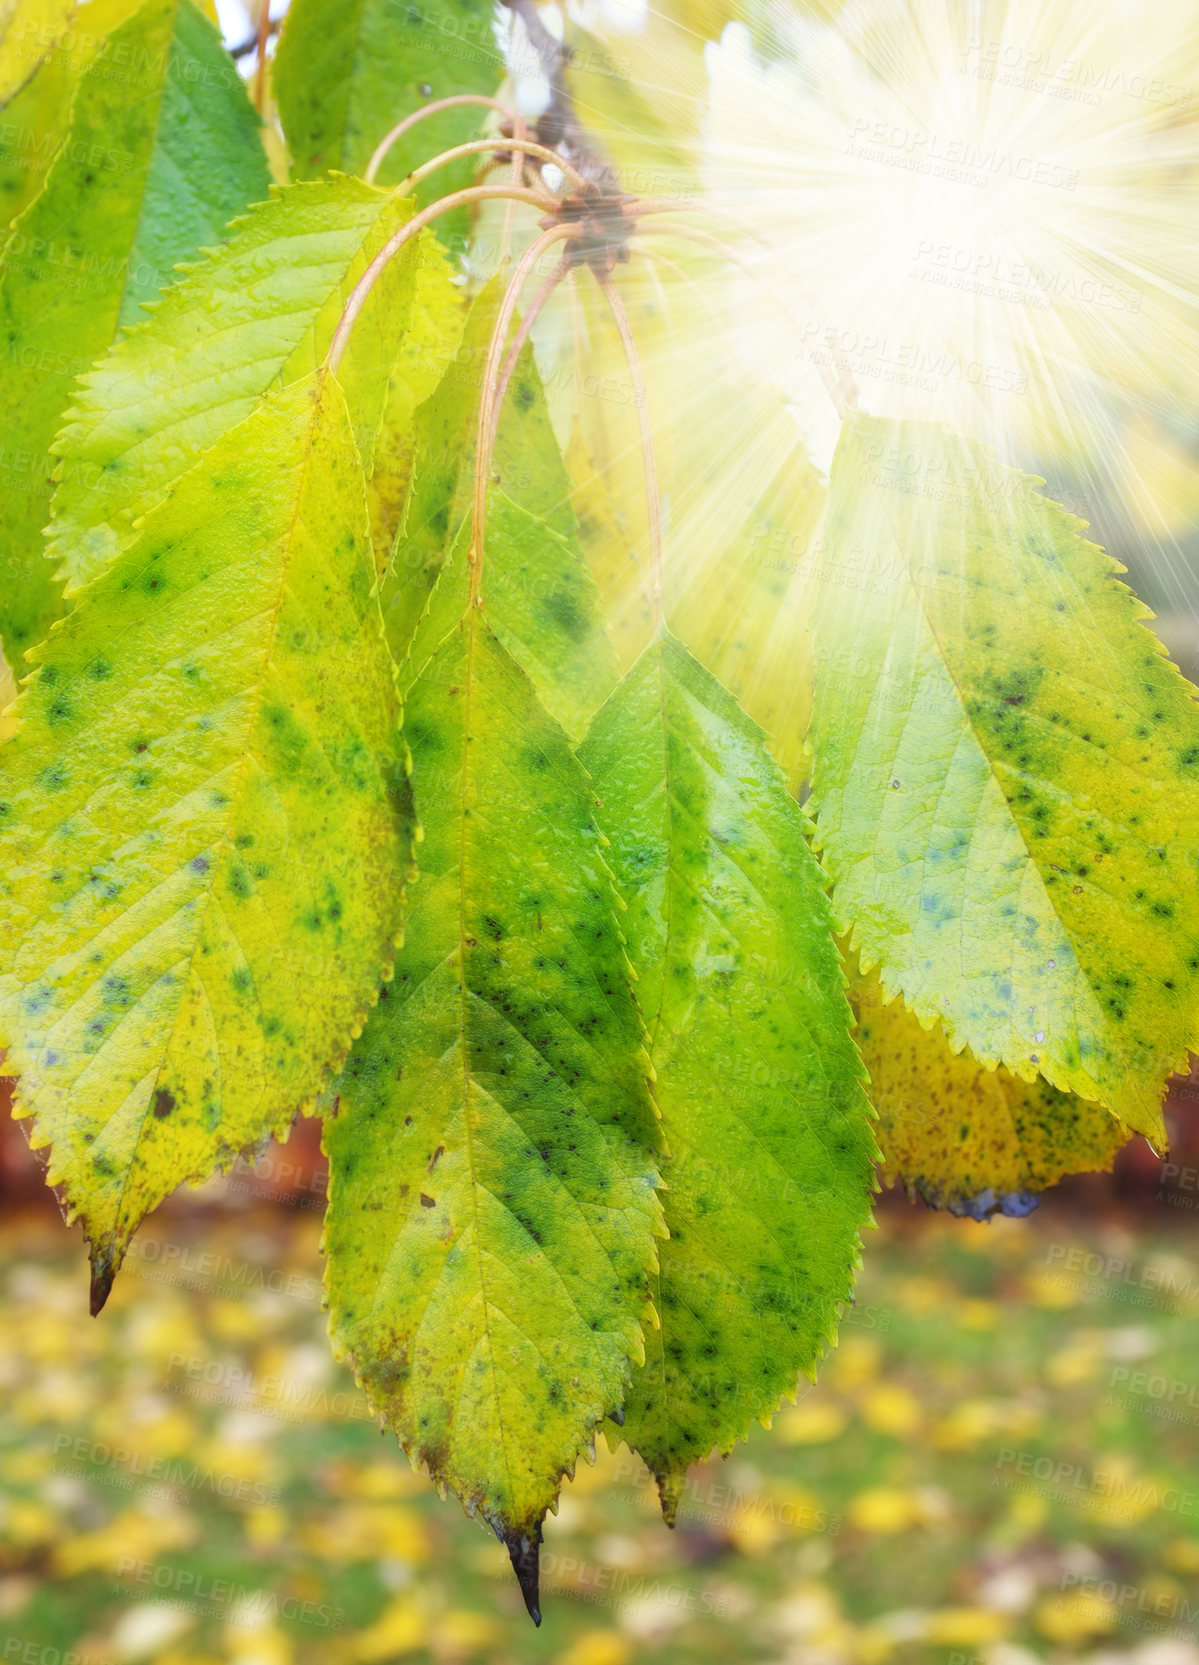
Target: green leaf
[
  {"x": 966, "y": 1138},
  {"x": 155, "y": 163},
  {"x": 758, "y": 1082},
  {"x": 1006, "y": 772},
  {"x": 348, "y": 70},
  {"x": 541, "y": 598},
  {"x": 493, "y": 1208},
  {"x": 437, "y": 315},
  {"x": 257, "y": 312},
  {"x": 203, "y": 836},
  {"x": 527, "y": 467},
  {"x": 543, "y": 606}
]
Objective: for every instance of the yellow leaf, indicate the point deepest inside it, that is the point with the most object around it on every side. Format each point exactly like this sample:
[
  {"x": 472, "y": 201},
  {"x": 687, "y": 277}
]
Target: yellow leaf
[
  {"x": 461, "y": 1631},
  {"x": 1182, "y": 1555},
  {"x": 962, "y": 1136},
  {"x": 135, "y": 1535},
  {"x": 598, "y": 1647},
  {"x": 884, "y": 1509},
  {"x": 965, "y": 1627},
  {"x": 855, "y": 1362},
  {"x": 890, "y": 1409},
  {"x": 1075, "y": 1617},
  {"x": 401, "y": 1629},
  {"x": 28, "y": 31},
  {"x": 811, "y": 1422},
  {"x": 978, "y": 1315}
]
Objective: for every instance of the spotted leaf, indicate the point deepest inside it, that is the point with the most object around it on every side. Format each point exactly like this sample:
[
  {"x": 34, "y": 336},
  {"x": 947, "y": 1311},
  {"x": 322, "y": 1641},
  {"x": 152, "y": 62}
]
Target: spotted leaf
[
  {"x": 157, "y": 159},
  {"x": 759, "y": 1085},
  {"x": 493, "y": 1208},
  {"x": 1007, "y": 779},
  {"x": 973, "y": 1140},
  {"x": 257, "y": 312},
  {"x": 203, "y": 831}
]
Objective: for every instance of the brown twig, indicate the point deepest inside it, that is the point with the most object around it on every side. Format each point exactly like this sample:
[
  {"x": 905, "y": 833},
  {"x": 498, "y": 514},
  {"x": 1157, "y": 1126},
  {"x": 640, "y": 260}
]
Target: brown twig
[{"x": 558, "y": 123}]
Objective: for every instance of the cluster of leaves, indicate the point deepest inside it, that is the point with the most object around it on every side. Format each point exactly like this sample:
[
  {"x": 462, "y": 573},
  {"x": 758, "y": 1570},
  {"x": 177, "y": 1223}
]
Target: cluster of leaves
[{"x": 309, "y": 807}]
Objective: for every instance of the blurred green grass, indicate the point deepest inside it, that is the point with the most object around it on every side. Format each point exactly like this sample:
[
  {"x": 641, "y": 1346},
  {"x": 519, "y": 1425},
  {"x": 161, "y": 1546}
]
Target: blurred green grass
[{"x": 1000, "y": 1463}]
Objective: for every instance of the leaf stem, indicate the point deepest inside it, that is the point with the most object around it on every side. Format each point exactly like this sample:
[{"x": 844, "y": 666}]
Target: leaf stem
[
  {"x": 264, "y": 30},
  {"x": 522, "y": 335},
  {"x": 649, "y": 460},
  {"x": 525, "y": 147},
  {"x": 488, "y": 406},
  {"x": 401, "y": 127},
  {"x": 418, "y": 222},
  {"x": 519, "y": 137}
]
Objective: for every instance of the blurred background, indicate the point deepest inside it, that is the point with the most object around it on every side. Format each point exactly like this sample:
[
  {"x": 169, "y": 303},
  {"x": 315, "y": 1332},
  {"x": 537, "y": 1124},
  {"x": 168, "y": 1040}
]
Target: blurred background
[{"x": 1000, "y": 1463}]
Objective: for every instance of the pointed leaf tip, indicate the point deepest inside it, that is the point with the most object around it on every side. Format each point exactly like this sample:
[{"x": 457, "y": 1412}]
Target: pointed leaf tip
[
  {"x": 104, "y": 1270},
  {"x": 671, "y": 1485},
  {"x": 525, "y": 1554}
]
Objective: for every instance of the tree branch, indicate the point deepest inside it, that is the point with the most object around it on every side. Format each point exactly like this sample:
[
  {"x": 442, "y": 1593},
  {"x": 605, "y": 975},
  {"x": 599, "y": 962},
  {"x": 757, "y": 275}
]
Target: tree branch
[{"x": 559, "y": 123}]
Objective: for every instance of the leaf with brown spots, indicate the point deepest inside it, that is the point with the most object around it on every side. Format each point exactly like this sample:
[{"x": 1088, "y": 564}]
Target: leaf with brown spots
[
  {"x": 1006, "y": 774},
  {"x": 204, "y": 829},
  {"x": 257, "y": 312},
  {"x": 162, "y": 150},
  {"x": 973, "y": 1140},
  {"x": 493, "y": 1204},
  {"x": 770, "y": 1172}
]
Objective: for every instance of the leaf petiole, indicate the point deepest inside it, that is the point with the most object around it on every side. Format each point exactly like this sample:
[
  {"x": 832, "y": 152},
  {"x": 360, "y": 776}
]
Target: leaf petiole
[
  {"x": 402, "y": 127},
  {"x": 418, "y": 222}
]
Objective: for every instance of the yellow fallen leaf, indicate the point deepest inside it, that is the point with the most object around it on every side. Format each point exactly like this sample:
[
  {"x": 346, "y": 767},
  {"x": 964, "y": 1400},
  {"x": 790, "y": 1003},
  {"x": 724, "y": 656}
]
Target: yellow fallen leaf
[
  {"x": 965, "y": 1627},
  {"x": 975, "y": 1314},
  {"x": 1182, "y": 1555},
  {"x": 1075, "y": 1617},
  {"x": 598, "y": 1647},
  {"x": 1072, "y": 1365},
  {"x": 891, "y": 1409},
  {"x": 365, "y": 1532},
  {"x": 883, "y": 1509},
  {"x": 135, "y": 1535},
  {"x": 1051, "y": 1291},
  {"x": 925, "y": 1294},
  {"x": 265, "y": 1646},
  {"x": 811, "y": 1422},
  {"x": 855, "y": 1362},
  {"x": 399, "y": 1630},
  {"x": 965, "y": 1426}
]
